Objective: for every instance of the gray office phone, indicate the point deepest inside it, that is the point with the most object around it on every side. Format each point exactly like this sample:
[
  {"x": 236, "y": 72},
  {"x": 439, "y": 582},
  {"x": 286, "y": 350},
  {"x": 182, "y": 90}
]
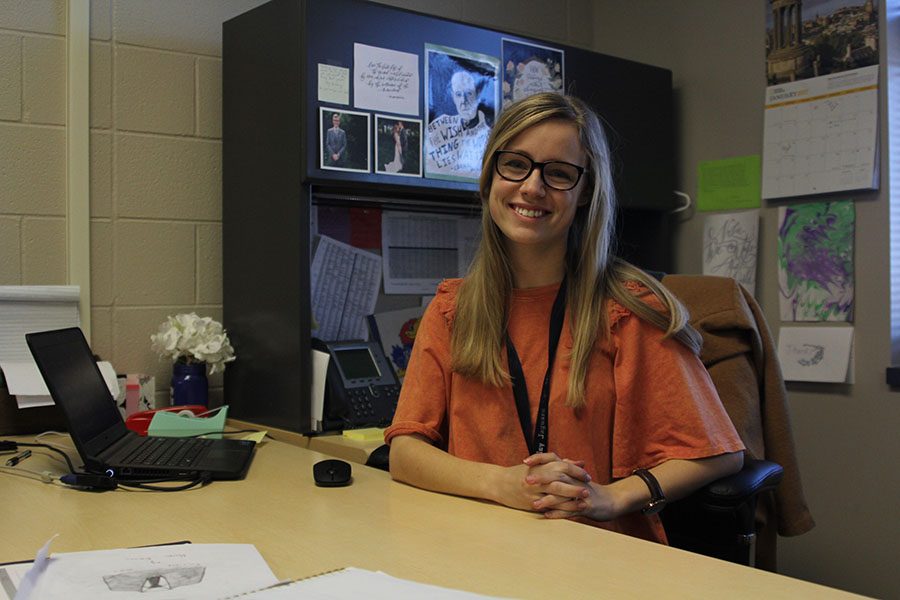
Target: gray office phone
[{"x": 361, "y": 388}]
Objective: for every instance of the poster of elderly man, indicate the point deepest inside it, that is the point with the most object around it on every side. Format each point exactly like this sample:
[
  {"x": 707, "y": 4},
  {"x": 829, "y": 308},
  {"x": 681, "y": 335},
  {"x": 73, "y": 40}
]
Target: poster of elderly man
[{"x": 461, "y": 96}]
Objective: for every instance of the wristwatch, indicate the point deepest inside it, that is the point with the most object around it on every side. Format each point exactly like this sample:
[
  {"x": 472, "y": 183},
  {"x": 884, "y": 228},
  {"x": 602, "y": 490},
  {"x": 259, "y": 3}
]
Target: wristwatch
[{"x": 657, "y": 498}]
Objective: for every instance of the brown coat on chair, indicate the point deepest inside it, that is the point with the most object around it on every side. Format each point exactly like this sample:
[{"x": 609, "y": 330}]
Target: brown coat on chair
[{"x": 740, "y": 355}]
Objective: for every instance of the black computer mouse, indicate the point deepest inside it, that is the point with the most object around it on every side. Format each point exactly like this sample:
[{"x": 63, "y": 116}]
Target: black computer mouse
[{"x": 332, "y": 473}]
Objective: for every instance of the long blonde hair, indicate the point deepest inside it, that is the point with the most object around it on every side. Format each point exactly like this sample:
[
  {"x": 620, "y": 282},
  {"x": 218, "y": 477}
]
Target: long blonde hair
[{"x": 593, "y": 272}]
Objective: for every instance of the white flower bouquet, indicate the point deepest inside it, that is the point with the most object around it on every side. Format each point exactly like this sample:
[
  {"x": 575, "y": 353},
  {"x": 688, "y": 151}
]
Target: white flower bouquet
[{"x": 188, "y": 338}]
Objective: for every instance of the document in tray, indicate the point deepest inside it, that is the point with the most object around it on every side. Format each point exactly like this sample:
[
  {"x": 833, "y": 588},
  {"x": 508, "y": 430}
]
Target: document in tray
[
  {"x": 161, "y": 572},
  {"x": 357, "y": 583},
  {"x": 344, "y": 283},
  {"x": 420, "y": 250}
]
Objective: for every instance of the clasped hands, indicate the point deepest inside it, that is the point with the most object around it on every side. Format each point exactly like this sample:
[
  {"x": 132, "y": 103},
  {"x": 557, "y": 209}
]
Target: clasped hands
[{"x": 560, "y": 488}]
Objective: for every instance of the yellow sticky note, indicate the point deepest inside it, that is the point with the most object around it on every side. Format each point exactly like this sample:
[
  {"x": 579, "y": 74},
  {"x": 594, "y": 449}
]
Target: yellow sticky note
[
  {"x": 256, "y": 436},
  {"x": 370, "y": 434}
]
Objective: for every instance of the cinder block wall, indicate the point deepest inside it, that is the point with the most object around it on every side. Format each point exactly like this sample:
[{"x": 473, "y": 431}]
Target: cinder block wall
[
  {"x": 155, "y": 156},
  {"x": 155, "y": 145}
]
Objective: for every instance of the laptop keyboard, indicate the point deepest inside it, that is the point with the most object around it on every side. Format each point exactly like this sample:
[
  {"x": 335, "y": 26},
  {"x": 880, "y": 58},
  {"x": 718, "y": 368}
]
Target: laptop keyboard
[{"x": 168, "y": 452}]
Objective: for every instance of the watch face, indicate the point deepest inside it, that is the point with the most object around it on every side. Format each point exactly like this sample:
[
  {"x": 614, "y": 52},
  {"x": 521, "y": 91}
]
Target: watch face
[{"x": 654, "y": 506}]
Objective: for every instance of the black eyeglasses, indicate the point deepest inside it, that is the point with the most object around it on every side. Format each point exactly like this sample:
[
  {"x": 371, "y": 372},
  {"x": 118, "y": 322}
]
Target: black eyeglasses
[{"x": 559, "y": 175}]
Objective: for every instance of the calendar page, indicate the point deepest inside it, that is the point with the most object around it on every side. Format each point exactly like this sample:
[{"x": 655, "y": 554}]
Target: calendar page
[{"x": 821, "y": 135}]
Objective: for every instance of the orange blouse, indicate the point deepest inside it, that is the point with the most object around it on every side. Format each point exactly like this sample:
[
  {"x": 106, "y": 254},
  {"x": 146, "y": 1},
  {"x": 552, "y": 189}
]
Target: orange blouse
[{"x": 649, "y": 399}]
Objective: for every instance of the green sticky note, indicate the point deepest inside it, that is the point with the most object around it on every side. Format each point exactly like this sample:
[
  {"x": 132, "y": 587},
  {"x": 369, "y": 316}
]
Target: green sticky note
[{"x": 729, "y": 184}]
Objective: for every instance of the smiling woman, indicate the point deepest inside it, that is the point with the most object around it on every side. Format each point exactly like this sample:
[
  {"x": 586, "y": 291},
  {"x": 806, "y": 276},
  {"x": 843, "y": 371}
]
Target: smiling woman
[{"x": 545, "y": 263}]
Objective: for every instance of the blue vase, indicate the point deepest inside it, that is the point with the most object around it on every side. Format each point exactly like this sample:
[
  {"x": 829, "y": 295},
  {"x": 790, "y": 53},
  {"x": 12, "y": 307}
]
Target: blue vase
[{"x": 189, "y": 385}]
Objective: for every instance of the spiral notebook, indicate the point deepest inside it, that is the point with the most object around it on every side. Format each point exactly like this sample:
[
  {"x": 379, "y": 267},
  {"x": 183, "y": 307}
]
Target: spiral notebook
[{"x": 355, "y": 583}]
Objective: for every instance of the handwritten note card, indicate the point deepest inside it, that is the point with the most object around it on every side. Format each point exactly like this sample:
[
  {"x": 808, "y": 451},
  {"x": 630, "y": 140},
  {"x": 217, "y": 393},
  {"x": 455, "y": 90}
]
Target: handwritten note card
[
  {"x": 385, "y": 80},
  {"x": 334, "y": 84}
]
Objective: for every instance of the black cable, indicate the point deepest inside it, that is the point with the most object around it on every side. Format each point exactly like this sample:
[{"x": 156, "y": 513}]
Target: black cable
[
  {"x": 218, "y": 432},
  {"x": 49, "y": 447},
  {"x": 201, "y": 481}
]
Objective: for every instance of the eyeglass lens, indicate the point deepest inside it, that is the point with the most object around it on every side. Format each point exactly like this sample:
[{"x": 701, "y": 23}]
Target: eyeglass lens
[{"x": 518, "y": 167}]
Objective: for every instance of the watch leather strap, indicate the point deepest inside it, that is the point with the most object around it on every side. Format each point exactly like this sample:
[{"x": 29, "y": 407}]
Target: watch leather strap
[{"x": 657, "y": 498}]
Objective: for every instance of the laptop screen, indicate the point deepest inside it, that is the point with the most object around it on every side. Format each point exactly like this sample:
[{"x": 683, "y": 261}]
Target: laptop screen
[{"x": 76, "y": 385}]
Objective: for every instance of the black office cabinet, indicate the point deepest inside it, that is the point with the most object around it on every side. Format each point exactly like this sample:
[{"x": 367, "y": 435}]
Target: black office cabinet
[{"x": 271, "y": 170}]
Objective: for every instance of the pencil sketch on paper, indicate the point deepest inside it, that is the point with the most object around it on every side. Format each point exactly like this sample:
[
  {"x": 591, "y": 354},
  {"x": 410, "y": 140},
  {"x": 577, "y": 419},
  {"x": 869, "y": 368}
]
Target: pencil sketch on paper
[
  {"x": 150, "y": 580},
  {"x": 815, "y": 261},
  {"x": 807, "y": 355},
  {"x": 730, "y": 244},
  {"x": 815, "y": 353}
]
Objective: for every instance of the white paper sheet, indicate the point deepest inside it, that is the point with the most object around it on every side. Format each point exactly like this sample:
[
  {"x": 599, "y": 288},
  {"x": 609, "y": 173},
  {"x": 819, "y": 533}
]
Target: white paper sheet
[
  {"x": 333, "y": 84},
  {"x": 821, "y": 134},
  {"x": 25, "y": 382},
  {"x": 360, "y": 583},
  {"x": 162, "y": 572},
  {"x": 320, "y": 362},
  {"x": 420, "y": 250},
  {"x": 815, "y": 353},
  {"x": 730, "y": 244},
  {"x": 385, "y": 80},
  {"x": 345, "y": 282}
]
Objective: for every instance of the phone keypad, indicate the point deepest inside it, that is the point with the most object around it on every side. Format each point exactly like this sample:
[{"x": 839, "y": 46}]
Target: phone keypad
[{"x": 367, "y": 404}]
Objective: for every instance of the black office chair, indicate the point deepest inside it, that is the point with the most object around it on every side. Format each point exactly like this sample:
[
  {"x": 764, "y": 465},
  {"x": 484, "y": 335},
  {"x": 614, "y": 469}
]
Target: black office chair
[{"x": 719, "y": 520}]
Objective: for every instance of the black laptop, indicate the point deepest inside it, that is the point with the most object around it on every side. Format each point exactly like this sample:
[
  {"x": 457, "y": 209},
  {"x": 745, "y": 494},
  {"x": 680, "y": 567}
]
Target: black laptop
[{"x": 108, "y": 447}]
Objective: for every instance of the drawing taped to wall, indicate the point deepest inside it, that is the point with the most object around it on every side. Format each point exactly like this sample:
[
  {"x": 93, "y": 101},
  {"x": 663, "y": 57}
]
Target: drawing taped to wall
[
  {"x": 530, "y": 69},
  {"x": 815, "y": 353},
  {"x": 815, "y": 261},
  {"x": 730, "y": 242},
  {"x": 461, "y": 102}
]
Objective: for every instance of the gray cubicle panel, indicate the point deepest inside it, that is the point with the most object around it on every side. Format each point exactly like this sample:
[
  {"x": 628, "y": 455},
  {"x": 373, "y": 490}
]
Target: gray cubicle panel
[{"x": 271, "y": 169}]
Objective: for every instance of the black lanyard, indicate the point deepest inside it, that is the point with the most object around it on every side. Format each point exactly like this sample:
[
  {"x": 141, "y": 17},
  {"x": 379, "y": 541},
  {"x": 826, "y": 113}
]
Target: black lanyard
[{"x": 538, "y": 442}]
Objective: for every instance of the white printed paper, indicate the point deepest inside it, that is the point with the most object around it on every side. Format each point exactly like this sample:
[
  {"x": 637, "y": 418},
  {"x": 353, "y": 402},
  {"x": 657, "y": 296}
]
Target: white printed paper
[
  {"x": 730, "y": 244},
  {"x": 385, "y": 80},
  {"x": 815, "y": 353},
  {"x": 334, "y": 84},
  {"x": 419, "y": 250},
  {"x": 161, "y": 572},
  {"x": 344, "y": 283},
  {"x": 821, "y": 134},
  {"x": 25, "y": 382}
]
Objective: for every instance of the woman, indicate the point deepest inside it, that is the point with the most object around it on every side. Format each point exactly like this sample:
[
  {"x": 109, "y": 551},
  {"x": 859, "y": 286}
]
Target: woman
[
  {"x": 625, "y": 391},
  {"x": 397, "y": 164}
]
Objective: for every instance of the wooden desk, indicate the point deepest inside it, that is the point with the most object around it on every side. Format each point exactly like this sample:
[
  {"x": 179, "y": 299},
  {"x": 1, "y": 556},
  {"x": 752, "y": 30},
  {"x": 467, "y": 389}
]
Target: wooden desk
[{"x": 376, "y": 524}]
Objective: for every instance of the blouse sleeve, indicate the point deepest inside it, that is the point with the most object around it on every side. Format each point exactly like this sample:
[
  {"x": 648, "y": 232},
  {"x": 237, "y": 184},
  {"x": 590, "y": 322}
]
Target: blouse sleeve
[
  {"x": 422, "y": 406},
  {"x": 666, "y": 404}
]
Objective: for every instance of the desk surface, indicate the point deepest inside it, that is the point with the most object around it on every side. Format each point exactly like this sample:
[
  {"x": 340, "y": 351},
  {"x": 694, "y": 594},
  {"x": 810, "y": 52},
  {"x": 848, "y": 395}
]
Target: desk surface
[{"x": 376, "y": 524}]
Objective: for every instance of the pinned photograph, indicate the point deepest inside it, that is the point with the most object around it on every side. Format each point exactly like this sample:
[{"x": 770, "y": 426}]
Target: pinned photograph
[
  {"x": 344, "y": 140},
  {"x": 398, "y": 146},
  {"x": 461, "y": 100},
  {"x": 529, "y": 69}
]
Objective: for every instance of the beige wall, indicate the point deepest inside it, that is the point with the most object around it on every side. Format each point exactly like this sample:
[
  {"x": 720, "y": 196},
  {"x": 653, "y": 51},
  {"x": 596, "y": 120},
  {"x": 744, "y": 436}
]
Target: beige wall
[
  {"x": 155, "y": 163},
  {"x": 156, "y": 204},
  {"x": 847, "y": 435}
]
